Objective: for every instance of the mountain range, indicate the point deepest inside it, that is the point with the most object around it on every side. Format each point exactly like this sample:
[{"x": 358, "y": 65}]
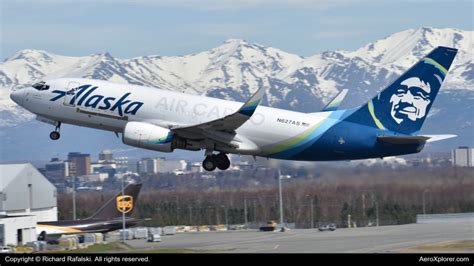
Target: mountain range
[{"x": 234, "y": 70}]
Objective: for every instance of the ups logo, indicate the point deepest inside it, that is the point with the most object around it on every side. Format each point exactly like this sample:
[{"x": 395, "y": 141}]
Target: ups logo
[{"x": 124, "y": 203}]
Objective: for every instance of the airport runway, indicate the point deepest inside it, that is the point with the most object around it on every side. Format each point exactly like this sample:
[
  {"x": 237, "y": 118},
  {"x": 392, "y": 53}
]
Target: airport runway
[{"x": 350, "y": 240}]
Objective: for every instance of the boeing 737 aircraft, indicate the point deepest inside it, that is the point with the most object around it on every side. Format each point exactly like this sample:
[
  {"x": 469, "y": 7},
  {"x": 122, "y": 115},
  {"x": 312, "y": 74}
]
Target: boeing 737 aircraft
[
  {"x": 106, "y": 218},
  {"x": 162, "y": 120}
]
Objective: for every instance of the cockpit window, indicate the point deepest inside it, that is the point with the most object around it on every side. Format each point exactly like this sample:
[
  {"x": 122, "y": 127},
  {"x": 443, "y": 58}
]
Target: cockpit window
[{"x": 41, "y": 86}]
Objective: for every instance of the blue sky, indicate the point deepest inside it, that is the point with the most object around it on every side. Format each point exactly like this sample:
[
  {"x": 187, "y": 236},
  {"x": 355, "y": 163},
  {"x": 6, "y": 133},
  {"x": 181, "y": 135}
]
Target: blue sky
[{"x": 128, "y": 28}]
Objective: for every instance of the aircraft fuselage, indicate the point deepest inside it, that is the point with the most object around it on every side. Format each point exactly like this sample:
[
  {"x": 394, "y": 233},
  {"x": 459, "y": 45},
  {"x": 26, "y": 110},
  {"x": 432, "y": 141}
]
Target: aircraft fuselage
[{"x": 277, "y": 133}]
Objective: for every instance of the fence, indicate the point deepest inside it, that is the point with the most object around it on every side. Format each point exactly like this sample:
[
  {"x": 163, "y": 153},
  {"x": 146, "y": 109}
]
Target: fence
[{"x": 445, "y": 218}]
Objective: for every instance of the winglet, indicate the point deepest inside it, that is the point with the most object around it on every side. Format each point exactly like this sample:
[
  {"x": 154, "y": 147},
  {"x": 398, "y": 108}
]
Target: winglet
[
  {"x": 251, "y": 105},
  {"x": 230, "y": 122},
  {"x": 334, "y": 103}
]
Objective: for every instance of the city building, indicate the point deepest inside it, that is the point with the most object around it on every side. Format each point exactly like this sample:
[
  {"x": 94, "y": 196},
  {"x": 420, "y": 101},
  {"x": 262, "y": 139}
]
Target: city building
[
  {"x": 172, "y": 166},
  {"x": 26, "y": 197},
  {"x": 106, "y": 155},
  {"x": 122, "y": 164},
  {"x": 463, "y": 156},
  {"x": 96, "y": 177},
  {"x": 109, "y": 168},
  {"x": 110, "y": 165},
  {"x": 160, "y": 165},
  {"x": 80, "y": 164},
  {"x": 56, "y": 171},
  {"x": 17, "y": 230},
  {"x": 148, "y": 166}
]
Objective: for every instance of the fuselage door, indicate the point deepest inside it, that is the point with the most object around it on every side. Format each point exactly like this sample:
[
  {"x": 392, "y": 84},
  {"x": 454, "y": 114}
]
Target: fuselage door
[{"x": 71, "y": 93}]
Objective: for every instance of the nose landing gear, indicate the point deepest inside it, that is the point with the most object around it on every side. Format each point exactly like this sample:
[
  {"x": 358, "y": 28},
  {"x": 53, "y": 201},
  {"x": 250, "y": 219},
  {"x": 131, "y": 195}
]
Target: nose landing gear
[
  {"x": 54, "y": 135},
  {"x": 211, "y": 162}
]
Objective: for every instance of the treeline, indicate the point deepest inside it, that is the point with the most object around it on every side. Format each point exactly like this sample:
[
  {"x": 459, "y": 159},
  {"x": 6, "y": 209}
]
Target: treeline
[{"x": 392, "y": 196}]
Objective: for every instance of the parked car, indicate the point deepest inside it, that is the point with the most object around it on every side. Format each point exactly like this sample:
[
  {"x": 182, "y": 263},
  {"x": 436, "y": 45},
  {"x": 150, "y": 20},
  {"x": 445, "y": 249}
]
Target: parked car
[
  {"x": 271, "y": 226},
  {"x": 5, "y": 249},
  {"x": 327, "y": 227},
  {"x": 323, "y": 227},
  {"x": 154, "y": 238}
]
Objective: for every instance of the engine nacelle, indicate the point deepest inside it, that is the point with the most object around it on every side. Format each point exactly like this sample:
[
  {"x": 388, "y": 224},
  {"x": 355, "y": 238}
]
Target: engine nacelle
[{"x": 148, "y": 136}]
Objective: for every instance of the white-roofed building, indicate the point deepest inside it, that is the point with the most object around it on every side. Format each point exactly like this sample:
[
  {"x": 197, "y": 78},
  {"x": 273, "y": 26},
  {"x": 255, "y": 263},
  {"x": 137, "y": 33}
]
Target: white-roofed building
[{"x": 26, "y": 196}]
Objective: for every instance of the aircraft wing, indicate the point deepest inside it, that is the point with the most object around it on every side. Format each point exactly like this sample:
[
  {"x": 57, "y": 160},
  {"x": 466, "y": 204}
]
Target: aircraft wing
[
  {"x": 334, "y": 103},
  {"x": 217, "y": 128}
]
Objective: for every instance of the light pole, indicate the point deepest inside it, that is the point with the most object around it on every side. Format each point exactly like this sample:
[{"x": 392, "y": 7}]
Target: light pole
[
  {"x": 190, "y": 215},
  {"x": 74, "y": 197},
  {"x": 424, "y": 203},
  {"x": 377, "y": 213},
  {"x": 311, "y": 204},
  {"x": 376, "y": 203},
  {"x": 177, "y": 215},
  {"x": 123, "y": 211},
  {"x": 177, "y": 210},
  {"x": 281, "y": 198},
  {"x": 245, "y": 212},
  {"x": 226, "y": 216}
]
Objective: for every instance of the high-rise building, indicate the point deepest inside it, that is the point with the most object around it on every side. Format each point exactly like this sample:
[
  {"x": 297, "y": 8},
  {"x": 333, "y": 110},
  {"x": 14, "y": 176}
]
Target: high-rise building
[
  {"x": 122, "y": 164},
  {"x": 169, "y": 166},
  {"x": 463, "y": 156},
  {"x": 160, "y": 165},
  {"x": 56, "y": 171},
  {"x": 148, "y": 166},
  {"x": 141, "y": 166},
  {"x": 80, "y": 164},
  {"x": 106, "y": 155}
]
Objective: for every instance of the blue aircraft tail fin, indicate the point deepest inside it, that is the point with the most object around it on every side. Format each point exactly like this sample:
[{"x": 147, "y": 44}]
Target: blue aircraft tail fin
[{"x": 403, "y": 106}]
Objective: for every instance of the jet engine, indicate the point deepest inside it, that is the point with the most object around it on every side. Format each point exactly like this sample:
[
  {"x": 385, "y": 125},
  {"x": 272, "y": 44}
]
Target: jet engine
[{"x": 148, "y": 136}]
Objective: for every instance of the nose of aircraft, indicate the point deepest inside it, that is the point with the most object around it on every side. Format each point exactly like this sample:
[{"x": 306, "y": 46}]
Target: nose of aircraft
[{"x": 17, "y": 96}]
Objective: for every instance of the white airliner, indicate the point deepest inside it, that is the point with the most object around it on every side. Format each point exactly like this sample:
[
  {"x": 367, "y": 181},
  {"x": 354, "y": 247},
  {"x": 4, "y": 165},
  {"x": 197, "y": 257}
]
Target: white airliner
[{"x": 164, "y": 120}]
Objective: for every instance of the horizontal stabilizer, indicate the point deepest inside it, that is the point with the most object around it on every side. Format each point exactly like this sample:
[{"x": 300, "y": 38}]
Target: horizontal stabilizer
[
  {"x": 434, "y": 138},
  {"x": 413, "y": 139},
  {"x": 334, "y": 104},
  {"x": 403, "y": 139}
]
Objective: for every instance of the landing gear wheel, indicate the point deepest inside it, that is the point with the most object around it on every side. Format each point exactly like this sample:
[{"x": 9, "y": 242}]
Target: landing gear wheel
[
  {"x": 222, "y": 161},
  {"x": 209, "y": 164},
  {"x": 54, "y": 135}
]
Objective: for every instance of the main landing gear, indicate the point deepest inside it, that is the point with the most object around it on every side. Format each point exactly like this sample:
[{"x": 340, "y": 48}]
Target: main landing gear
[
  {"x": 54, "y": 135},
  {"x": 213, "y": 161}
]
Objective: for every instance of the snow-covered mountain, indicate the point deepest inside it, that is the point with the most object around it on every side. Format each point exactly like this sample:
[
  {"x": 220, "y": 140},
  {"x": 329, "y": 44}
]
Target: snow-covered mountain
[{"x": 237, "y": 68}]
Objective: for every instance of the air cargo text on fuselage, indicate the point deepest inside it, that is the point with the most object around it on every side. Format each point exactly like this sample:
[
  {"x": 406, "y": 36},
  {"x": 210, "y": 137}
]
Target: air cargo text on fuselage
[{"x": 200, "y": 109}]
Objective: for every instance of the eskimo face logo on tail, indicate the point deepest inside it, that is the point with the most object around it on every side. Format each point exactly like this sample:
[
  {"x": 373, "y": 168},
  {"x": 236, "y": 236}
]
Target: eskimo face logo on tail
[
  {"x": 84, "y": 96},
  {"x": 124, "y": 203},
  {"x": 411, "y": 100}
]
